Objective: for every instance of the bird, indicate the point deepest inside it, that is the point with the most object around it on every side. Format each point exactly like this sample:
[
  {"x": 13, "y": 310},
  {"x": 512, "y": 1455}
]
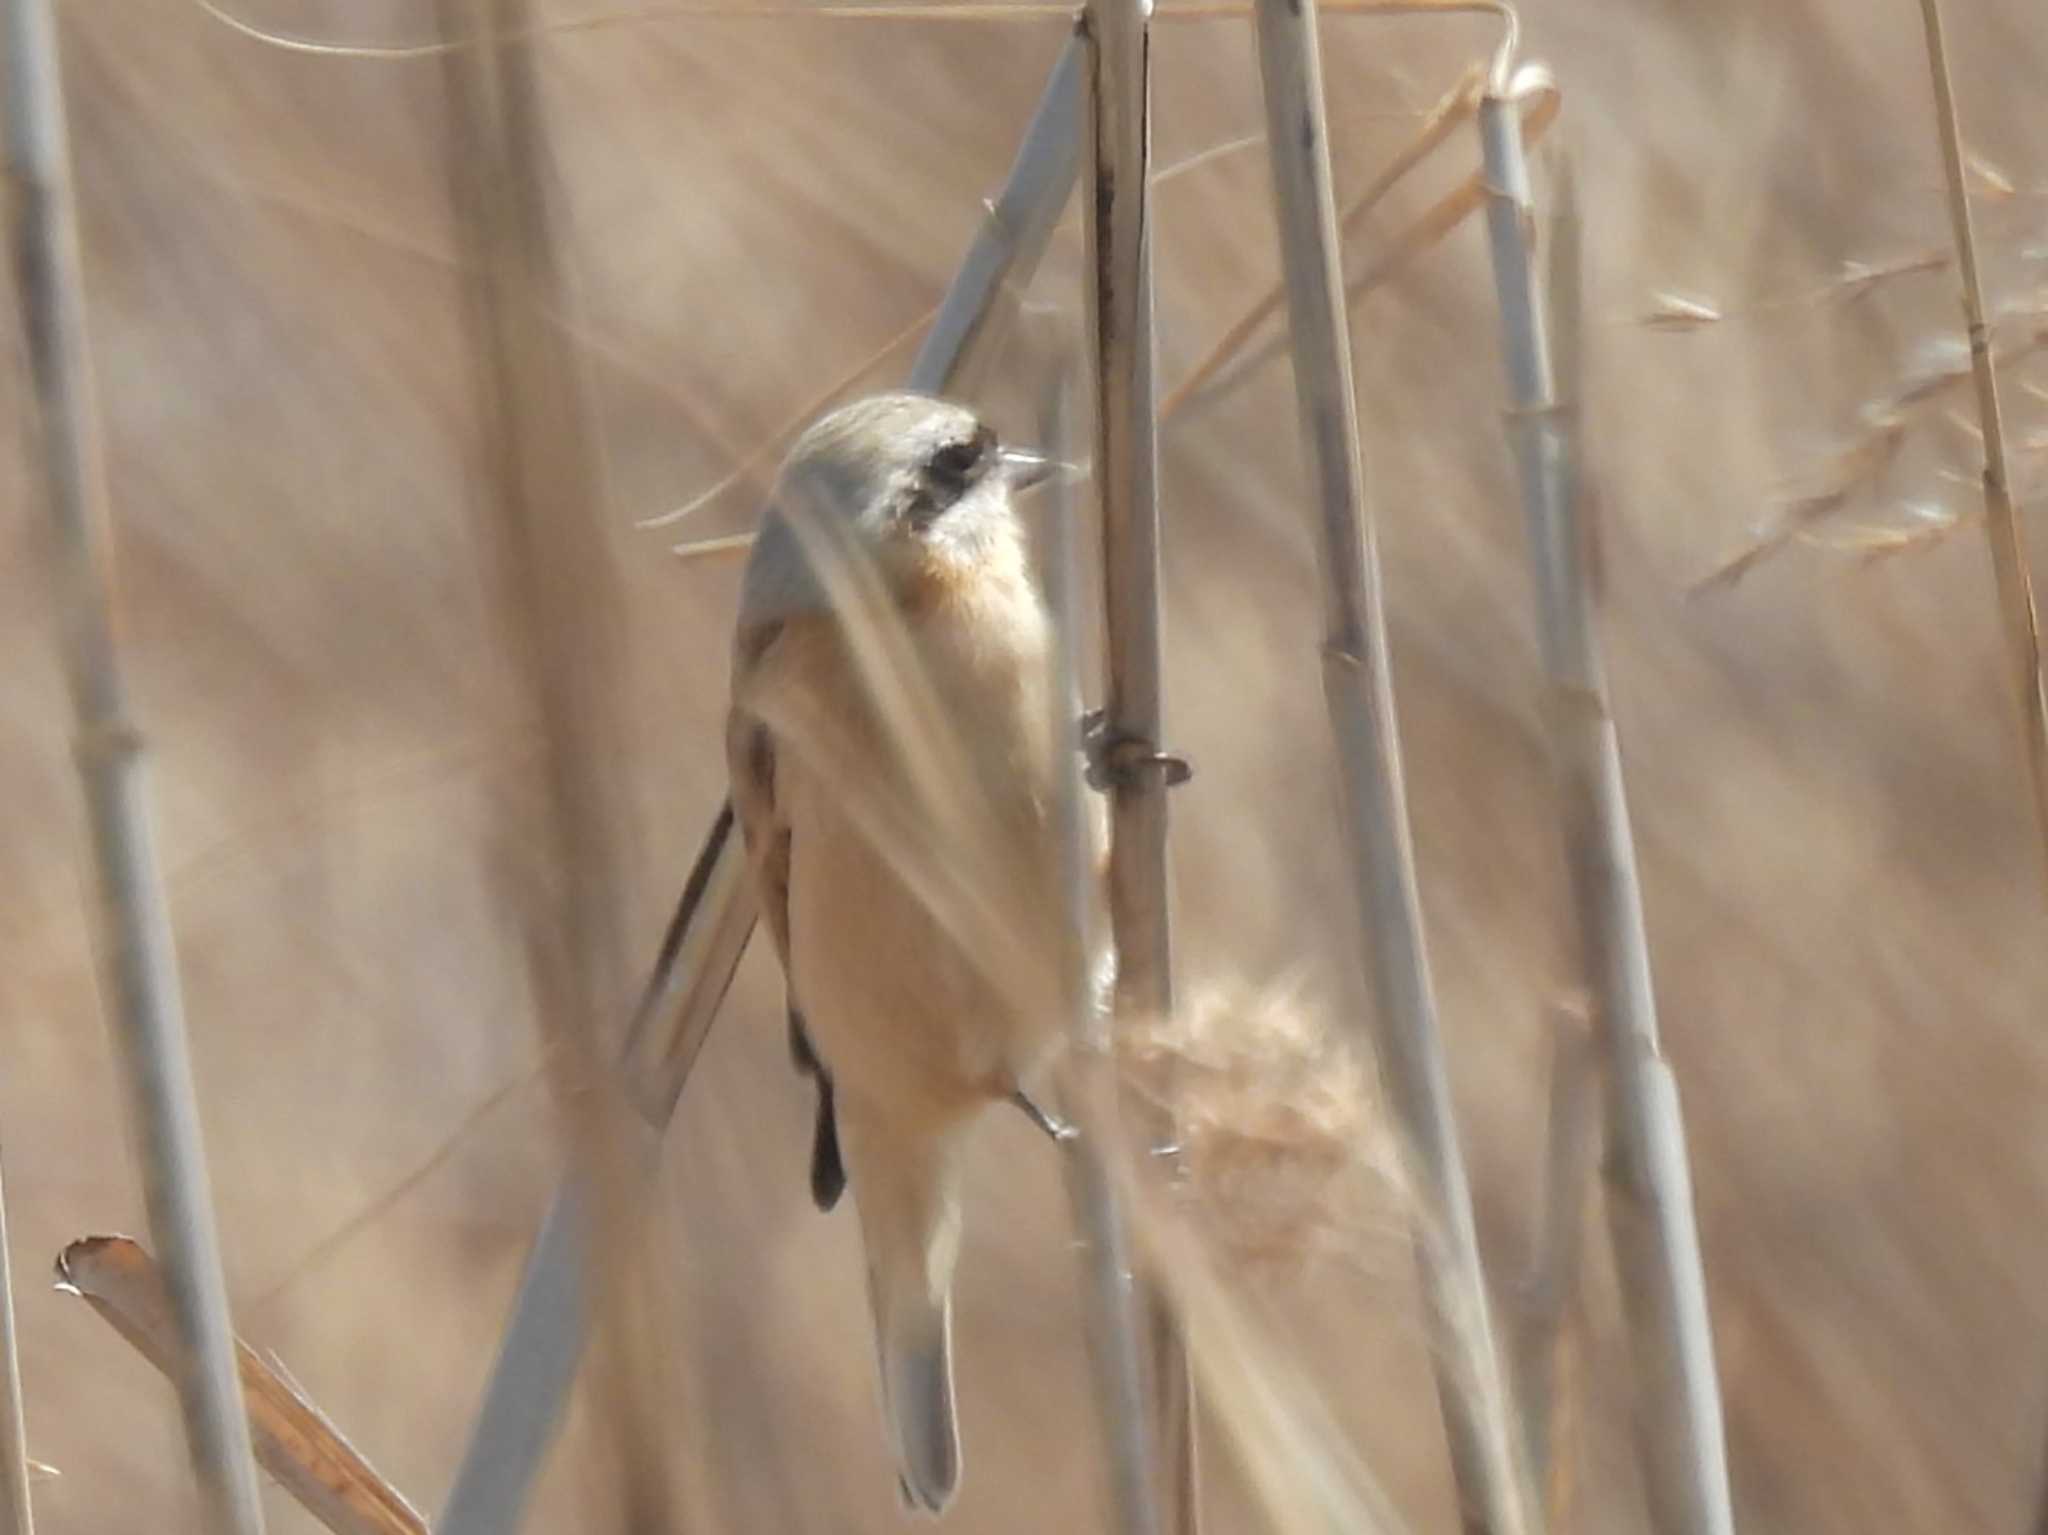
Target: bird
[{"x": 892, "y": 746}]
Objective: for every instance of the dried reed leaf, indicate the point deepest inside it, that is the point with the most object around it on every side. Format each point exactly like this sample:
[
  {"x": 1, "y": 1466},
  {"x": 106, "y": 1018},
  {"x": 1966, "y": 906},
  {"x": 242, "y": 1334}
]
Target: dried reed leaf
[
  {"x": 294, "y": 1441},
  {"x": 1927, "y": 523},
  {"x": 1859, "y": 277},
  {"x": 1786, "y": 523},
  {"x": 730, "y": 546},
  {"x": 1675, "y": 312},
  {"x": 1938, "y": 367},
  {"x": 1987, "y": 180}
]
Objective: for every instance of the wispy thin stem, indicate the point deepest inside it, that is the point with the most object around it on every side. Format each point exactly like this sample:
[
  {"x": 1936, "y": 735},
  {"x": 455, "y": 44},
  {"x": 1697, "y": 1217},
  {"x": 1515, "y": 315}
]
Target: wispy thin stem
[
  {"x": 137, "y": 955},
  {"x": 2008, "y": 549}
]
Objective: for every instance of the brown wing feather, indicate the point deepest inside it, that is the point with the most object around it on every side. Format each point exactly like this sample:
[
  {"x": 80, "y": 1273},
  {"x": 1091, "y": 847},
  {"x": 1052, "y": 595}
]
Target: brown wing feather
[{"x": 750, "y": 762}]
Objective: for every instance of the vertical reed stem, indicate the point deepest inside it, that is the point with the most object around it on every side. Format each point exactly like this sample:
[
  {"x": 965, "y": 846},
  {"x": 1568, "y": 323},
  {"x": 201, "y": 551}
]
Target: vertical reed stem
[
  {"x": 1089, "y": 1086},
  {"x": 560, "y": 604},
  {"x": 1117, "y": 208},
  {"x": 2009, "y": 560},
  {"x": 1550, "y": 1289},
  {"x": 137, "y": 953},
  {"x": 1358, "y": 687},
  {"x": 1649, "y": 1200},
  {"x": 16, "y": 1515}
]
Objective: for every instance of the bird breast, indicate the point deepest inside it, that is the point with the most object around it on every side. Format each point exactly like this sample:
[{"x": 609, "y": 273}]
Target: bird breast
[{"x": 924, "y": 889}]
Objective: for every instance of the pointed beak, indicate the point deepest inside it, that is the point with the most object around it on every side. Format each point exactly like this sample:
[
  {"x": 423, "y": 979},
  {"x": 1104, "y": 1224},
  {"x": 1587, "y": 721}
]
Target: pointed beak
[{"x": 1023, "y": 470}]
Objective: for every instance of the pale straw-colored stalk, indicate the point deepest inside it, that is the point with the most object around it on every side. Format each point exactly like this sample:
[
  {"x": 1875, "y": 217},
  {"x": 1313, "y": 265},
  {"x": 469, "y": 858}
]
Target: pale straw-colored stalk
[
  {"x": 2009, "y": 560},
  {"x": 545, "y": 531},
  {"x": 1089, "y": 1080},
  {"x": 17, "y": 1517},
  {"x": 1546, "y": 1344},
  {"x": 1117, "y": 266},
  {"x": 1649, "y": 1191},
  {"x": 1358, "y": 688},
  {"x": 137, "y": 953}
]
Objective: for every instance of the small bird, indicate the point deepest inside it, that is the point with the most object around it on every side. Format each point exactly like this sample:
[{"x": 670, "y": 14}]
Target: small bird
[{"x": 892, "y": 749}]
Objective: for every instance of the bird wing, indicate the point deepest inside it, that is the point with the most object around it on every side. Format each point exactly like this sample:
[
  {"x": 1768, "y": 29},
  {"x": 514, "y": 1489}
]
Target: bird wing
[{"x": 750, "y": 762}]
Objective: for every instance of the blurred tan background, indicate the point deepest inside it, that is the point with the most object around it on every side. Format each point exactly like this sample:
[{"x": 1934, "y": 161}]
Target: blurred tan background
[{"x": 1843, "y": 888}]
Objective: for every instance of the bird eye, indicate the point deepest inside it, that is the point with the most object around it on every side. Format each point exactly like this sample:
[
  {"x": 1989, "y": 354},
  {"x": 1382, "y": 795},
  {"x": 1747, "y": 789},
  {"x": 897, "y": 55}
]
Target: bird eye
[{"x": 953, "y": 466}]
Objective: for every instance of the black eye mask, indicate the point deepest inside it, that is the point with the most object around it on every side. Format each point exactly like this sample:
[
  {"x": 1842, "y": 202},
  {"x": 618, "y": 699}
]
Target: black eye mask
[{"x": 952, "y": 470}]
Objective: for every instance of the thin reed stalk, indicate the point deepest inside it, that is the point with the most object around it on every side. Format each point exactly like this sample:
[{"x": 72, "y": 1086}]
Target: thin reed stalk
[
  {"x": 1117, "y": 224},
  {"x": 137, "y": 953},
  {"x": 1358, "y": 688},
  {"x": 1649, "y": 1201},
  {"x": 2008, "y": 548},
  {"x": 1550, "y": 1287},
  {"x": 17, "y": 1516},
  {"x": 715, "y": 915},
  {"x": 558, "y": 593},
  {"x": 293, "y": 1439},
  {"x": 1089, "y": 1083}
]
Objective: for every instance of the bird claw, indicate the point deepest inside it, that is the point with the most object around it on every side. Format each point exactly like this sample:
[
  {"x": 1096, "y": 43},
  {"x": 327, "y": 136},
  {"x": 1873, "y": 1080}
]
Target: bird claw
[
  {"x": 1058, "y": 1129},
  {"x": 1114, "y": 759}
]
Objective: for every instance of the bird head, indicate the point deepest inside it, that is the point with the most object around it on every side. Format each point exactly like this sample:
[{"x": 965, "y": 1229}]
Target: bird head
[{"x": 912, "y": 478}]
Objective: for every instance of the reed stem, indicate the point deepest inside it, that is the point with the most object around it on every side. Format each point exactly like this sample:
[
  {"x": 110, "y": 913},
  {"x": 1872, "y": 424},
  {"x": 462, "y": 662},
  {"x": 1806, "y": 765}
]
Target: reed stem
[
  {"x": 1649, "y": 1192},
  {"x": 137, "y": 953},
  {"x": 17, "y": 1515},
  {"x": 1358, "y": 689},
  {"x": 1117, "y": 221},
  {"x": 2009, "y": 561}
]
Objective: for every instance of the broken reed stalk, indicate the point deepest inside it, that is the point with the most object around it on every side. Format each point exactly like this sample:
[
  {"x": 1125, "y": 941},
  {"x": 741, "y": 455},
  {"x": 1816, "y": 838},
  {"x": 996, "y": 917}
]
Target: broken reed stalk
[
  {"x": 2008, "y": 548},
  {"x": 136, "y": 950},
  {"x": 1117, "y": 238},
  {"x": 559, "y": 604},
  {"x": 17, "y": 1517},
  {"x": 1090, "y": 1084},
  {"x": 294, "y": 1441},
  {"x": 1649, "y": 1201},
  {"x": 1358, "y": 689},
  {"x": 714, "y": 917}
]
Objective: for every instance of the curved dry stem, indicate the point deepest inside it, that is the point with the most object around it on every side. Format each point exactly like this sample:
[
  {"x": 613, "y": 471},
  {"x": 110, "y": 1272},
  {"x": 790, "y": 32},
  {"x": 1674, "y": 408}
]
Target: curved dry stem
[
  {"x": 970, "y": 11},
  {"x": 326, "y": 1247},
  {"x": 748, "y": 470},
  {"x": 1532, "y": 89},
  {"x": 1455, "y": 108}
]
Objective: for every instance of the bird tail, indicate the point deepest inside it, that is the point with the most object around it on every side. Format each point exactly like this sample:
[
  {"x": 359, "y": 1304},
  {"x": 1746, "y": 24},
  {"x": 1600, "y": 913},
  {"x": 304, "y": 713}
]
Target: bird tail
[
  {"x": 917, "y": 1393},
  {"x": 910, "y": 1225}
]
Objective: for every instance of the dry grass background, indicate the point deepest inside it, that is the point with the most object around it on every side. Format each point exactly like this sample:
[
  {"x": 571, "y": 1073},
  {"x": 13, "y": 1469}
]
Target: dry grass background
[{"x": 1842, "y": 884}]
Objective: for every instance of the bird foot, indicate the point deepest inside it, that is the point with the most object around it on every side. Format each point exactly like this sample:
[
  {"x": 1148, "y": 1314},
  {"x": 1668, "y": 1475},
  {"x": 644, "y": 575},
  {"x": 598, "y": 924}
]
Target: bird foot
[
  {"x": 1055, "y": 1127},
  {"x": 1115, "y": 760}
]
